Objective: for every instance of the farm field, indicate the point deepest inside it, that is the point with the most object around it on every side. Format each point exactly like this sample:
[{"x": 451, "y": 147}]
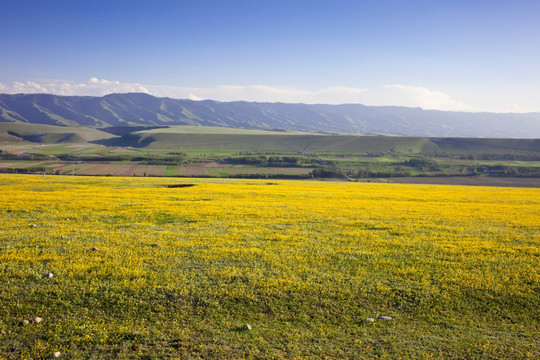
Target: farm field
[
  {"x": 391, "y": 167},
  {"x": 157, "y": 268},
  {"x": 200, "y": 151}
]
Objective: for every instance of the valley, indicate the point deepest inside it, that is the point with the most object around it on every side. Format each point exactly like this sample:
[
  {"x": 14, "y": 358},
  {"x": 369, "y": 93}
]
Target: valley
[{"x": 196, "y": 151}]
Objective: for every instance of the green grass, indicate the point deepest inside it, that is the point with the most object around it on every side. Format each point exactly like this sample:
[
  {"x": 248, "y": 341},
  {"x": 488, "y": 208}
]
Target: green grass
[
  {"x": 49, "y": 134},
  {"x": 215, "y": 130},
  {"x": 216, "y": 140},
  {"x": 217, "y": 173},
  {"x": 51, "y": 149},
  {"x": 17, "y": 165},
  {"x": 171, "y": 170},
  {"x": 71, "y": 171},
  {"x": 99, "y": 150},
  {"x": 487, "y": 146}
]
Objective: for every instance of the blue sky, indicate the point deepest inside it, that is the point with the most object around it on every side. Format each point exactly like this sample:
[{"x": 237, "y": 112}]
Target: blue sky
[{"x": 449, "y": 55}]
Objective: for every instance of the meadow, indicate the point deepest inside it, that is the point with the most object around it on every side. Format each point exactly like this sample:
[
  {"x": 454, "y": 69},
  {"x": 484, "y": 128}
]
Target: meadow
[{"x": 157, "y": 268}]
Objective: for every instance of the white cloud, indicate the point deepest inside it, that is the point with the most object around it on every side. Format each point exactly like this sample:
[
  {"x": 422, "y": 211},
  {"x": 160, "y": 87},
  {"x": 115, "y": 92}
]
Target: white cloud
[
  {"x": 194, "y": 97},
  {"x": 414, "y": 96},
  {"x": 262, "y": 93},
  {"x": 398, "y": 95},
  {"x": 93, "y": 87}
]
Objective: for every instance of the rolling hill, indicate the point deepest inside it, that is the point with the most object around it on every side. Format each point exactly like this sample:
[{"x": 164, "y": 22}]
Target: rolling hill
[
  {"x": 215, "y": 139},
  {"x": 211, "y": 138},
  {"x": 136, "y": 109},
  {"x": 49, "y": 134}
]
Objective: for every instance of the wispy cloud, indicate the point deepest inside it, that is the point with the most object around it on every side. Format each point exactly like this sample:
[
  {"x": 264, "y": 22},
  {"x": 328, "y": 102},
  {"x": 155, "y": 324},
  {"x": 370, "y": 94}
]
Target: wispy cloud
[
  {"x": 398, "y": 95},
  {"x": 262, "y": 93},
  {"x": 93, "y": 87},
  {"x": 416, "y": 96}
]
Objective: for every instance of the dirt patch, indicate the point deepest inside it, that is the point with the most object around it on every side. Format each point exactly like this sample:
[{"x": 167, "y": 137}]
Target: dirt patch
[
  {"x": 471, "y": 180},
  {"x": 8, "y": 164},
  {"x": 122, "y": 150},
  {"x": 269, "y": 170},
  {"x": 193, "y": 170}
]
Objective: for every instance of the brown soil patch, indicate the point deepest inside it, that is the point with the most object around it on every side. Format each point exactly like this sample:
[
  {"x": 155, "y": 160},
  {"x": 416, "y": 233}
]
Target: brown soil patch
[
  {"x": 8, "y": 164},
  {"x": 471, "y": 180},
  {"x": 193, "y": 170},
  {"x": 122, "y": 150}
]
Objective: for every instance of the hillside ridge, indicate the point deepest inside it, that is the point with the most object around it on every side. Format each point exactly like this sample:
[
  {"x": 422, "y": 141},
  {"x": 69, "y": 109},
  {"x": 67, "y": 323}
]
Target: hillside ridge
[{"x": 139, "y": 109}]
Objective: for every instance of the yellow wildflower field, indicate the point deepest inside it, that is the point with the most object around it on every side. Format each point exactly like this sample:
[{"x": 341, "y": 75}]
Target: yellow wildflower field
[{"x": 174, "y": 268}]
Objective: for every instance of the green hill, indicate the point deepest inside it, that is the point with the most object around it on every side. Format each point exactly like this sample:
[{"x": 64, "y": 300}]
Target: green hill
[
  {"x": 487, "y": 146},
  {"x": 49, "y": 134},
  {"x": 199, "y": 138}
]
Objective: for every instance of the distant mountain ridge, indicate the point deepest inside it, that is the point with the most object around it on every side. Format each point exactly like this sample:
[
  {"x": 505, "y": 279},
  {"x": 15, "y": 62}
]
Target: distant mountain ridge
[{"x": 138, "y": 109}]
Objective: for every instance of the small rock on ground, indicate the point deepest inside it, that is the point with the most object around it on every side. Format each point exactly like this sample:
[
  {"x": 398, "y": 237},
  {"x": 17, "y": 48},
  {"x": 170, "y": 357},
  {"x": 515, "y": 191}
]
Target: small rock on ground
[
  {"x": 37, "y": 319},
  {"x": 369, "y": 320},
  {"x": 55, "y": 355},
  {"x": 94, "y": 249},
  {"x": 247, "y": 327},
  {"x": 2, "y": 332},
  {"x": 382, "y": 317},
  {"x": 25, "y": 322},
  {"x": 49, "y": 275}
]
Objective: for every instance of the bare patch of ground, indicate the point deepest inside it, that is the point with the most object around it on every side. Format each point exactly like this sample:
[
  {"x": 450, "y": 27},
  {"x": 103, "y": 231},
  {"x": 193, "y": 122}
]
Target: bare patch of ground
[
  {"x": 8, "y": 164},
  {"x": 193, "y": 170},
  {"x": 122, "y": 150},
  {"x": 471, "y": 180},
  {"x": 117, "y": 169}
]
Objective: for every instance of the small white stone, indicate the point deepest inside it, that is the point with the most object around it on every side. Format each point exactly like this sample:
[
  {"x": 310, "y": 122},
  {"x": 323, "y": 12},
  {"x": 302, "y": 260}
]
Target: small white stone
[
  {"x": 247, "y": 327},
  {"x": 25, "y": 322},
  {"x": 55, "y": 355},
  {"x": 369, "y": 320},
  {"x": 382, "y": 317},
  {"x": 49, "y": 275},
  {"x": 37, "y": 319}
]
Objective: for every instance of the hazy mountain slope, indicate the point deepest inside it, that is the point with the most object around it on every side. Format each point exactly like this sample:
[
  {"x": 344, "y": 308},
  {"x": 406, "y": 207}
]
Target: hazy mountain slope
[
  {"x": 487, "y": 146},
  {"x": 144, "y": 110},
  {"x": 49, "y": 134},
  {"x": 274, "y": 142}
]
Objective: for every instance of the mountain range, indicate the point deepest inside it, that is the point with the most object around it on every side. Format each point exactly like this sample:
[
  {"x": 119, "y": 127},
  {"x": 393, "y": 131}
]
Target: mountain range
[{"x": 138, "y": 109}]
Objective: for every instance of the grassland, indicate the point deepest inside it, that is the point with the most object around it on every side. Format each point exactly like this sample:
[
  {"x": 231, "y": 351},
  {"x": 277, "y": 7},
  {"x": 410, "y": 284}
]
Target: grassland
[
  {"x": 157, "y": 268},
  {"x": 49, "y": 134},
  {"x": 235, "y": 153}
]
